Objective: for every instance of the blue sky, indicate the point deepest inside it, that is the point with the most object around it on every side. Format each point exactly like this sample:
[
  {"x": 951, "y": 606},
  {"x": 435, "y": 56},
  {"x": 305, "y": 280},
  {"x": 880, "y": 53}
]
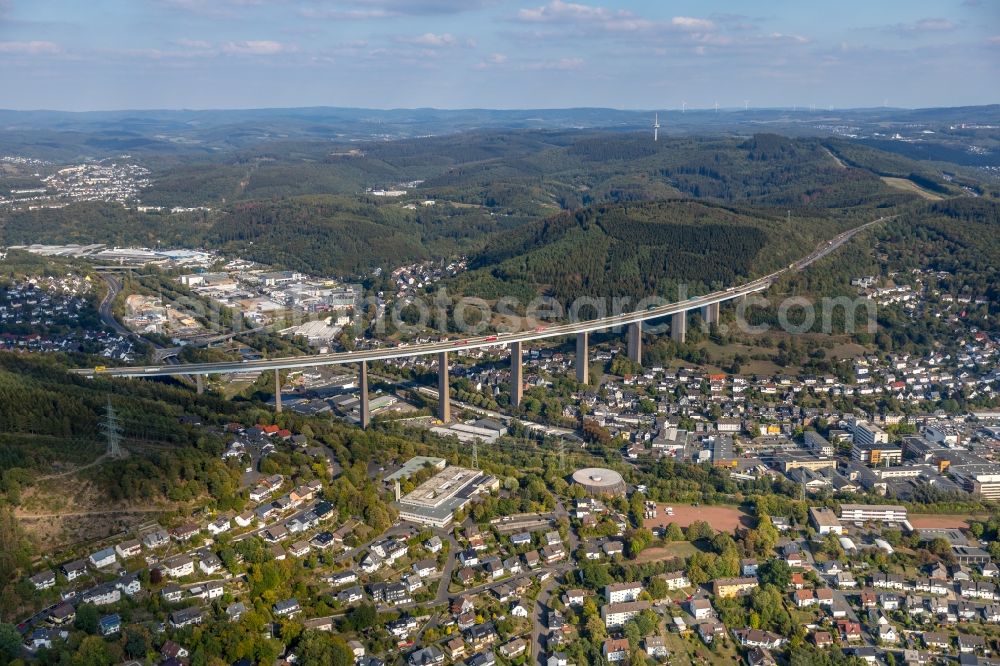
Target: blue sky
[{"x": 115, "y": 54}]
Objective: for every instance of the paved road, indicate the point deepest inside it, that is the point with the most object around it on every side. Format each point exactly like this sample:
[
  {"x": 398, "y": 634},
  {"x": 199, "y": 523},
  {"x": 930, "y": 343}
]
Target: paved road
[
  {"x": 104, "y": 310},
  {"x": 538, "y": 627},
  {"x": 541, "y": 332},
  {"x": 449, "y": 566}
]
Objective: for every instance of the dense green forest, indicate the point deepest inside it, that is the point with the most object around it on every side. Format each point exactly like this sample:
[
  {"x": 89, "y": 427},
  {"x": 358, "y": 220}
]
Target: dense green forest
[
  {"x": 303, "y": 204},
  {"x": 338, "y": 235},
  {"x": 645, "y": 248}
]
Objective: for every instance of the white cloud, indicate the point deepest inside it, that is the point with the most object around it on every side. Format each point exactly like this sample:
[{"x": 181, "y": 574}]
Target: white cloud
[
  {"x": 346, "y": 14},
  {"x": 794, "y": 39},
  {"x": 193, "y": 43},
  {"x": 431, "y": 39},
  {"x": 29, "y": 48},
  {"x": 558, "y": 11},
  {"x": 689, "y": 23},
  {"x": 594, "y": 17},
  {"x": 255, "y": 47},
  {"x": 492, "y": 60},
  {"x": 558, "y": 64},
  {"x": 380, "y": 9},
  {"x": 930, "y": 25}
]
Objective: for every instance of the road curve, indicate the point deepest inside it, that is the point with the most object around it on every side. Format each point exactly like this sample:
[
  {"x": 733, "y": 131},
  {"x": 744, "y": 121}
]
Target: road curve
[
  {"x": 542, "y": 332},
  {"x": 104, "y": 309}
]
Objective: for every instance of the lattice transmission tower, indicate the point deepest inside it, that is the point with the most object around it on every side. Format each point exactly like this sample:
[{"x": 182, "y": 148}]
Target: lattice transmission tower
[{"x": 113, "y": 432}]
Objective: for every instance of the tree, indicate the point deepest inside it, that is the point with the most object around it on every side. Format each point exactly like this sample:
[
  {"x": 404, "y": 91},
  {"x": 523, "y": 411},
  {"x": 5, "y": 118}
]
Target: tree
[
  {"x": 674, "y": 532},
  {"x": 362, "y": 617},
  {"x": 699, "y": 529},
  {"x": 136, "y": 643},
  {"x": 319, "y": 648},
  {"x": 87, "y": 618},
  {"x": 657, "y": 588},
  {"x": 638, "y": 540},
  {"x": 941, "y": 547},
  {"x": 93, "y": 651},
  {"x": 775, "y": 572},
  {"x": 10, "y": 643}
]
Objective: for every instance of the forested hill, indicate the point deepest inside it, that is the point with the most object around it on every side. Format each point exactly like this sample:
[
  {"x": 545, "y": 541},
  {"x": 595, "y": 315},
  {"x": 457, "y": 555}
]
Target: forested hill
[
  {"x": 643, "y": 248},
  {"x": 305, "y": 206}
]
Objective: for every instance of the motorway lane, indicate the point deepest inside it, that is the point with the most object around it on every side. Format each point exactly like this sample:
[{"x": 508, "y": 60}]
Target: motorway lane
[
  {"x": 542, "y": 332},
  {"x": 104, "y": 310},
  {"x": 426, "y": 349}
]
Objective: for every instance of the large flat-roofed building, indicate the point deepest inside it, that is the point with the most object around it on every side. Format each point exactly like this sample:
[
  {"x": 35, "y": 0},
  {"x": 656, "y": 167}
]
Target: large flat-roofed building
[
  {"x": 875, "y": 454},
  {"x": 868, "y": 433},
  {"x": 733, "y": 587},
  {"x": 435, "y": 501},
  {"x": 825, "y": 520},
  {"x": 816, "y": 442},
  {"x": 862, "y": 513},
  {"x": 918, "y": 448},
  {"x": 486, "y": 431},
  {"x": 970, "y": 555},
  {"x": 789, "y": 460},
  {"x": 982, "y": 479},
  {"x": 616, "y": 615},
  {"x": 414, "y": 465}
]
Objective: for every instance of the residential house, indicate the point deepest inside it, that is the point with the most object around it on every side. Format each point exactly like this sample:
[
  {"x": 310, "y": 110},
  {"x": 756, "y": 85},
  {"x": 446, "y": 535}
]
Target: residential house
[
  {"x": 110, "y": 624},
  {"x": 286, "y": 607},
  {"x": 128, "y": 549},
  {"x": 178, "y": 566},
  {"x": 732, "y": 587},
  {"x": 758, "y": 638},
  {"x": 700, "y": 608},
  {"x": 103, "y": 558},
  {"x": 619, "y": 592},
  {"x": 43, "y": 580},
  {"x": 615, "y": 650}
]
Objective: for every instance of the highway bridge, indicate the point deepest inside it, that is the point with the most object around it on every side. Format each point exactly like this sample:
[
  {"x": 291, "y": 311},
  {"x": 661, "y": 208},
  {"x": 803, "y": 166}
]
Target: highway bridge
[{"x": 632, "y": 321}]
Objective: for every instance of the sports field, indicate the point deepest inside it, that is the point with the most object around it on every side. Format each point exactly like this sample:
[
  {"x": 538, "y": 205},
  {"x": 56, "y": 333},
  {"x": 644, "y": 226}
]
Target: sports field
[
  {"x": 722, "y": 518},
  {"x": 930, "y": 521}
]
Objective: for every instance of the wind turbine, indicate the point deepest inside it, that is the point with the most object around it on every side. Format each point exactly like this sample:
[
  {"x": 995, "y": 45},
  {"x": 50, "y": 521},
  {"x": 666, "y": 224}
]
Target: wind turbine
[
  {"x": 716, "y": 106},
  {"x": 746, "y": 105},
  {"x": 683, "y": 106},
  {"x": 656, "y": 127}
]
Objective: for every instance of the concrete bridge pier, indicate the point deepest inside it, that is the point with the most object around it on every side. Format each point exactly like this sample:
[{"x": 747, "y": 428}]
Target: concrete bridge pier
[
  {"x": 516, "y": 380},
  {"x": 364, "y": 408},
  {"x": 583, "y": 358},
  {"x": 635, "y": 342},
  {"x": 277, "y": 391},
  {"x": 444, "y": 390},
  {"x": 678, "y": 327},
  {"x": 710, "y": 313},
  {"x": 199, "y": 384}
]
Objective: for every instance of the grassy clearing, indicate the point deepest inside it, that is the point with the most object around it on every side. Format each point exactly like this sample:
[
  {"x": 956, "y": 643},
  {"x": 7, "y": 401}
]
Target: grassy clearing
[
  {"x": 910, "y": 186},
  {"x": 667, "y": 552}
]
